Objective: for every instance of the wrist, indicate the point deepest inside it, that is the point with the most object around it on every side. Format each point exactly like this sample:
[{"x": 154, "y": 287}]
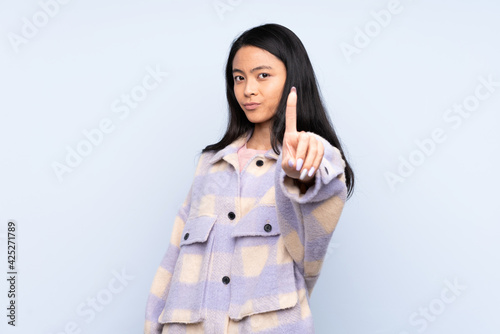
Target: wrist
[{"x": 303, "y": 186}]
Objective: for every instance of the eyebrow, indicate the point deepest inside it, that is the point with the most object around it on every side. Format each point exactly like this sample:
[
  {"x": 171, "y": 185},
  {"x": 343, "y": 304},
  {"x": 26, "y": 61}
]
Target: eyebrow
[{"x": 254, "y": 69}]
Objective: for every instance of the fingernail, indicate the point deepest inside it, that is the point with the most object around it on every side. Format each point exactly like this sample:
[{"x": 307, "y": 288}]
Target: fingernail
[
  {"x": 311, "y": 171},
  {"x": 290, "y": 163},
  {"x": 294, "y": 89},
  {"x": 299, "y": 164},
  {"x": 303, "y": 174}
]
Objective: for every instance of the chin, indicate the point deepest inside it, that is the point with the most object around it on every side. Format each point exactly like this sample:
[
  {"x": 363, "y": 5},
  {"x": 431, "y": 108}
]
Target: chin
[{"x": 256, "y": 121}]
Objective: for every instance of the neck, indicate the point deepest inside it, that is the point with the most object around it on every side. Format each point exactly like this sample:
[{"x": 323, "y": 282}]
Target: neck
[{"x": 261, "y": 138}]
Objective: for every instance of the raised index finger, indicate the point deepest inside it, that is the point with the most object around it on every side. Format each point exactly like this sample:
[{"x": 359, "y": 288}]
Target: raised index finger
[{"x": 291, "y": 111}]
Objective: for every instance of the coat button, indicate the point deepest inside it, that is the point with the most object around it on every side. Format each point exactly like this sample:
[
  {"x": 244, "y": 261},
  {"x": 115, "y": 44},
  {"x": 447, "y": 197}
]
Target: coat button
[
  {"x": 268, "y": 227},
  {"x": 225, "y": 280},
  {"x": 231, "y": 215},
  {"x": 186, "y": 236},
  {"x": 259, "y": 163},
  {"x": 326, "y": 170}
]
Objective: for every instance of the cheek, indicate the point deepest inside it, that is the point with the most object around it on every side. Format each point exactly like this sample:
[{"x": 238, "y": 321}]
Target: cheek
[
  {"x": 278, "y": 91},
  {"x": 237, "y": 94}
]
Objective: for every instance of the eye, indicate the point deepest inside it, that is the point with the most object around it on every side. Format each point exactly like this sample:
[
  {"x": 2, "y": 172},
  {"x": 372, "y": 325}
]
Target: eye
[
  {"x": 264, "y": 75},
  {"x": 238, "y": 78}
]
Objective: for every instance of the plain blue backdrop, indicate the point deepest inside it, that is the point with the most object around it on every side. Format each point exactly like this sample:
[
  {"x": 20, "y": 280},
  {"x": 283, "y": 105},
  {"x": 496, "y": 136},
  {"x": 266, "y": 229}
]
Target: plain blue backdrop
[{"x": 105, "y": 106}]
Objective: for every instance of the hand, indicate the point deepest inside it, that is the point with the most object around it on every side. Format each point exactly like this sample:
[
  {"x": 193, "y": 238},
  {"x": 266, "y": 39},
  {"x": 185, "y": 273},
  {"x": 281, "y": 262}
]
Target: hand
[{"x": 300, "y": 149}]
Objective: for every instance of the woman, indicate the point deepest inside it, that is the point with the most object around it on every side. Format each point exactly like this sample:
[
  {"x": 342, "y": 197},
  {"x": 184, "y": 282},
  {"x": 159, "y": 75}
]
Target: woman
[{"x": 249, "y": 241}]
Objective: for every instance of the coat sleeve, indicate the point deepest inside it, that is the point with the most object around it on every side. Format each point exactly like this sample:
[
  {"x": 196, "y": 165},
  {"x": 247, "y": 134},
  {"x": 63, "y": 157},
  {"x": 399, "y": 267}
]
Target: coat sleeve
[
  {"x": 161, "y": 282},
  {"x": 307, "y": 221}
]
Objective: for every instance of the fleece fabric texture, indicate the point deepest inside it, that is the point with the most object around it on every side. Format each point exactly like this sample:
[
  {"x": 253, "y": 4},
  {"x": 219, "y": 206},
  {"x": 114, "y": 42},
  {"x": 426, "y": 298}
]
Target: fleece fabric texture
[{"x": 246, "y": 248}]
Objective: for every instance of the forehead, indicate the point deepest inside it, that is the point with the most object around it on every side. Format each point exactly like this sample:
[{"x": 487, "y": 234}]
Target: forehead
[{"x": 249, "y": 56}]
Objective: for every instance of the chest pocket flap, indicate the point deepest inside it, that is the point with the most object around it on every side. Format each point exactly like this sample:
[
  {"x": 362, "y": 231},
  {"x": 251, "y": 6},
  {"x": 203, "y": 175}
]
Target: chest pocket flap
[
  {"x": 260, "y": 221},
  {"x": 197, "y": 229}
]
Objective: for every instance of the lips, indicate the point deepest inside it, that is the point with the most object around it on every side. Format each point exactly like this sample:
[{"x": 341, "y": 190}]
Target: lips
[{"x": 251, "y": 106}]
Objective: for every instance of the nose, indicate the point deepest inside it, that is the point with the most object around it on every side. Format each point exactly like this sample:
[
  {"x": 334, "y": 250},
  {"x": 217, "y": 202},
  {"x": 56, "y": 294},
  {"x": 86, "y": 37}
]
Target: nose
[{"x": 250, "y": 88}]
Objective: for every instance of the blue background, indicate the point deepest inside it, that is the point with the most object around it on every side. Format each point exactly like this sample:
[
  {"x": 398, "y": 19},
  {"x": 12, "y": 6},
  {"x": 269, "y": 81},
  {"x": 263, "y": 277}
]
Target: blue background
[{"x": 397, "y": 248}]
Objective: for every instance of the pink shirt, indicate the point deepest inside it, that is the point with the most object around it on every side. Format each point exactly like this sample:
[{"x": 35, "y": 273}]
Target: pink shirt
[{"x": 245, "y": 154}]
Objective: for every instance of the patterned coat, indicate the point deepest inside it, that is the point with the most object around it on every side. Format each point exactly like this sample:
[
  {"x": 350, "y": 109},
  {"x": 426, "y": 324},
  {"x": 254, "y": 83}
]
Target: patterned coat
[{"x": 246, "y": 248}]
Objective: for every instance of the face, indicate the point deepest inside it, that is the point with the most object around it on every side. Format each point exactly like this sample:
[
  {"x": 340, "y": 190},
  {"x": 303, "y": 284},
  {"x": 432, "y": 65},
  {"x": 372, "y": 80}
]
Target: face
[{"x": 259, "y": 78}]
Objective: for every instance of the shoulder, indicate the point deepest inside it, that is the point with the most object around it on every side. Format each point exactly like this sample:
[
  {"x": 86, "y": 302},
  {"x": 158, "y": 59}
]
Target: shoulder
[{"x": 203, "y": 162}]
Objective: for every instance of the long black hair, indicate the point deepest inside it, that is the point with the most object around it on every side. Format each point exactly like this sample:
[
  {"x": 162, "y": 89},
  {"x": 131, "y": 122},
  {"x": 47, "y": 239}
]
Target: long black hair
[{"x": 311, "y": 113}]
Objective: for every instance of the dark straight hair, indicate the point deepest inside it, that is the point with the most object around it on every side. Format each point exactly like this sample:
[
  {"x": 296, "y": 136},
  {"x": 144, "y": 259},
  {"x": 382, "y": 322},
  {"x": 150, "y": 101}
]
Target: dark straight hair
[{"x": 311, "y": 113}]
